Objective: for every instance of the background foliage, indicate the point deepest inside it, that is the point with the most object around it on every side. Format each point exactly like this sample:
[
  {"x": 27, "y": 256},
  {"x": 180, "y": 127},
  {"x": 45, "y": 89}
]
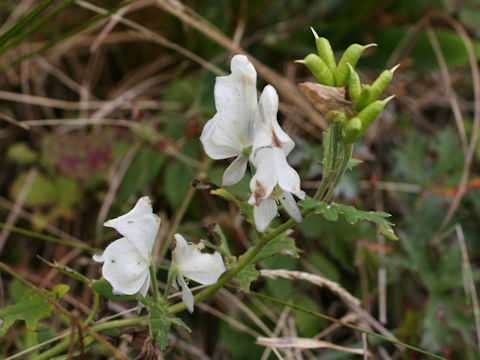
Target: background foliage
[{"x": 125, "y": 106}]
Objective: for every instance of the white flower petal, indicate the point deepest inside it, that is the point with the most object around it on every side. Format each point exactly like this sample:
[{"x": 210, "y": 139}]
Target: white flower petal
[
  {"x": 145, "y": 285},
  {"x": 191, "y": 262},
  {"x": 140, "y": 226},
  {"x": 264, "y": 214},
  {"x": 266, "y": 176},
  {"x": 231, "y": 129},
  {"x": 267, "y": 130},
  {"x": 290, "y": 206},
  {"x": 219, "y": 141},
  {"x": 98, "y": 258},
  {"x": 288, "y": 178},
  {"x": 235, "y": 171},
  {"x": 187, "y": 295},
  {"x": 124, "y": 267}
]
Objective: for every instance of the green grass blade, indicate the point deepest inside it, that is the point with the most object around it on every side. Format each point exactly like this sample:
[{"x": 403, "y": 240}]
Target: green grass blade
[{"x": 22, "y": 22}]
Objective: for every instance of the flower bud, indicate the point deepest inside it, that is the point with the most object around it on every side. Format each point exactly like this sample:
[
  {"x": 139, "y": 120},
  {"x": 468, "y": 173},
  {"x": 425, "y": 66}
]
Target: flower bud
[
  {"x": 319, "y": 69},
  {"x": 350, "y": 56}
]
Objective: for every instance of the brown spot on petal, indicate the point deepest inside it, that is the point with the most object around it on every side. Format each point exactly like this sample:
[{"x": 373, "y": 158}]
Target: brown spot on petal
[
  {"x": 275, "y": 140},
  {"x": 259, "y": 192},
  {"x": 113, "y": 261},
  {"x": 130, "y": 221}
]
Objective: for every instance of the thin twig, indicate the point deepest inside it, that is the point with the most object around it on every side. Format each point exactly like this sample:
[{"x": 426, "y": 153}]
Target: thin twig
[
  {"x": 14, "y": 213},
  {"x": 469, "y": 280},
  {"x": 449, "y": 91},
  {"x": 462, "y": 187}
]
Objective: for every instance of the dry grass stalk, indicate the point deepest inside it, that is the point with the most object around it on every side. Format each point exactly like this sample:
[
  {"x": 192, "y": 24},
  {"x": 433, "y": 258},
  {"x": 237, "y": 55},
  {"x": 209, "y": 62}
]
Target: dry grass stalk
[
  {"x": 469, "y": 280},
  {"x": 314, "y": 279},
  {"x": 304, "y": 343},
  {"x": 352, "y": 302},
  {"x": 14, "y": 213}
]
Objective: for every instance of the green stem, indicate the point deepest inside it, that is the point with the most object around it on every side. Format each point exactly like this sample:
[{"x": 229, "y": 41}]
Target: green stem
[
  {"x": 153, "y": 279},
  {"x": 61, "y": 346},
  {"x": 347, "y": 155},
  {"x": 95, "y": 305},
  {"x": 171, "y": 275},
  {"x": 49, "y": 238}
]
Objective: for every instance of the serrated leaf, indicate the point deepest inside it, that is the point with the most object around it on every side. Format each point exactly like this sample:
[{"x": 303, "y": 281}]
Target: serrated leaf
[
  {"x": 280, "y": 245},
  {"x": 246, "y": 276},
  {"x": 33, "y": 307},
  {"x": 331, "y": 211},
  {"x": 179, "y": 322},
  {"x": 245, "y": 208},
  {"x": 104, "y": 288}
]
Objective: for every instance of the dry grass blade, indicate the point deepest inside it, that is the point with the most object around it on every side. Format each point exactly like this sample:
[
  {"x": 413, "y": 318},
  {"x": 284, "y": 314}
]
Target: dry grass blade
[
  {"x": 314, "y": 279},
  {"x": 349, "y": 299},
  {"x": 303, "y": 343},
  {"x": 447, "y": 83},
  {"x": 11, "y": 120},
  {"x": 462, "y": 187},
  {"x": 469, "y": 280},
  {"x": 22, "y": 196}
]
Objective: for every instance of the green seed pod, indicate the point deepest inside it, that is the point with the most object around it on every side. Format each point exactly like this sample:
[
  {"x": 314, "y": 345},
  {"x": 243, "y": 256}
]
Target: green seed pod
[
  {"x": 371, "y": 111},
  {"x": 363, "y": 99},
  {"x": 350, "y": 56},
  {"x": 381, "y": 83},
  {"x": 351, "y": 130},
  {"x": 319, "y": 69},
  {"x": 336, "y": 117},
  {"x": 354, "y": 87},
  {"x": 324, "y": 50}
]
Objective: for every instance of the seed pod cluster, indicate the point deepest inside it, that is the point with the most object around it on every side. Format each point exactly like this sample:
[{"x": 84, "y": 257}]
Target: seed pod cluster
[
  {"x": 324, "y": 67},
  {"x": 354, "y": 116}
]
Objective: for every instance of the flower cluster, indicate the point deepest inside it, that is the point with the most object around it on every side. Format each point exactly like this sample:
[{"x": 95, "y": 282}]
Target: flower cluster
[
  {"x": 126, "y": 261},
  {"x": 249, "y": 130}
]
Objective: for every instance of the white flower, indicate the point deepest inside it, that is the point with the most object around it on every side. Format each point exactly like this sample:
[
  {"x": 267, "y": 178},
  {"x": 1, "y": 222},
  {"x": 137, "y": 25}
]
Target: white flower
[
  {"x": 230, "y": 131},
  {"x": 126, "y": 260},
  {"x": 274, "y": 179},
  {"x": 188, "y": 261}
]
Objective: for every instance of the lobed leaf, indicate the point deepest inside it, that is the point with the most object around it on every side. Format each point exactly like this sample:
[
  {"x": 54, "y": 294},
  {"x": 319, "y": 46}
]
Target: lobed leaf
[{"x": 331, "y": 212}]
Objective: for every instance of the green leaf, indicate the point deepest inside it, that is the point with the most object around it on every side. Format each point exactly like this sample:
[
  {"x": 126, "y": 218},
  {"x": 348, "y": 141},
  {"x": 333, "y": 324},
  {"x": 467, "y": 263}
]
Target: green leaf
[
  {"x": 141, "y": 172},
  {"x": 33, "y": 307},
  {"x": 280, "y": 245},
  {"x": 245, "y": 208},
  {"x": 159, "y": 324},
  {"x": 179, "y": 322},
  {"x": 104, "y": 288},
  {"x": 246, "y": 276},
  {"x": 60, "y": 290},
  {"x": 331, "y": 211},
  {"x": 21, "y": 153},
  {"x": 352, "y": 163},
  {"x": 176, "y": 180}
]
